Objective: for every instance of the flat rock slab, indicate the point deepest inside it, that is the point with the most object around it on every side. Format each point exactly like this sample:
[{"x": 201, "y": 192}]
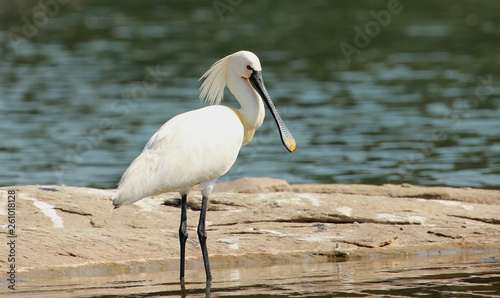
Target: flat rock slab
[{"x": 63, "y": 230}]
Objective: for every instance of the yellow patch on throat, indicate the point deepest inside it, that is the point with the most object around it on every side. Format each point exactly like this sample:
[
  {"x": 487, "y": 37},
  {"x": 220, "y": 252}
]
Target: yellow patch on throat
[{"x": 249, "y": 131}]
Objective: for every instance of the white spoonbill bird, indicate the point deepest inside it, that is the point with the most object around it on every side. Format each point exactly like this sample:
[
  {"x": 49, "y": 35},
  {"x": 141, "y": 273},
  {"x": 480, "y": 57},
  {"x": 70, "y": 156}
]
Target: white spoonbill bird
[{"x": 197, "y": 147}]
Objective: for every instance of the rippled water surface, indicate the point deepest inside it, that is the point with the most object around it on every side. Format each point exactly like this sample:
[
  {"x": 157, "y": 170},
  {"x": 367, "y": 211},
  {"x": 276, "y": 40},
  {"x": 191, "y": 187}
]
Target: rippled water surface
[
  {"x": 84, "y": 86},
  {"x": 434, "y": 275}
]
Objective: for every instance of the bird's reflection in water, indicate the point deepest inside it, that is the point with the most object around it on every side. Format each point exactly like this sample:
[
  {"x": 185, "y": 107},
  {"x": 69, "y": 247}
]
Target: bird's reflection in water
[
  {"x": 207, "y": 289},
  {"x": 183, "y": 289}
]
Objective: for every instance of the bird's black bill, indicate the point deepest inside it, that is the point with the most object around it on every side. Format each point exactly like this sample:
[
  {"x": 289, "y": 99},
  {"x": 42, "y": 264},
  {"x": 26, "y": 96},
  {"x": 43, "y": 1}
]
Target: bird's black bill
[{"x": 286, "y": 137}]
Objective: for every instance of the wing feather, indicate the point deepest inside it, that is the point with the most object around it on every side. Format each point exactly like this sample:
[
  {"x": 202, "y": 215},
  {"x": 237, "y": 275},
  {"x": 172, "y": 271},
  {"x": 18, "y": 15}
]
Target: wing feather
[{"x": 191, "y": 148}]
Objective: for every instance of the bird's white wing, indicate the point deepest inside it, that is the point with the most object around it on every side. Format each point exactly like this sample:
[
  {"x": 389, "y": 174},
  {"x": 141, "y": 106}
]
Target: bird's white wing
[
  {"x": 191, "y": 148},
  {"x": 165, "y": 129},
  {"x": 151, "y": 143}
]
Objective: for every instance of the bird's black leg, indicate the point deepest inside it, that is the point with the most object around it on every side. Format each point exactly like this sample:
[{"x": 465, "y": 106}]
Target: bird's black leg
[
  {"x": 183, "y": 233},
  {"x": 202, "y": 236}
]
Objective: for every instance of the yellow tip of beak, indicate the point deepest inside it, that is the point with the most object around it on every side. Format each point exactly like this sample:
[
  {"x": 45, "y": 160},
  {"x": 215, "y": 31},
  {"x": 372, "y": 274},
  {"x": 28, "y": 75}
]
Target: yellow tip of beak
[{"x": 290, "y": 145}]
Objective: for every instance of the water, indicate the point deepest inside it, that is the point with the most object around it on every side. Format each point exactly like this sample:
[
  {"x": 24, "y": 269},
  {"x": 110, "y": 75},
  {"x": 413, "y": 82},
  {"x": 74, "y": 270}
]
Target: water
[
  {"x": 85, "y": 84},
  {"x": 432, "y": 274}
]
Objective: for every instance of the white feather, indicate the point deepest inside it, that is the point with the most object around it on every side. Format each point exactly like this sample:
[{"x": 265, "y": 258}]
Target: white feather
[
  {"x": 212, "y": 88},
  {"x": 177, "y": 159}
]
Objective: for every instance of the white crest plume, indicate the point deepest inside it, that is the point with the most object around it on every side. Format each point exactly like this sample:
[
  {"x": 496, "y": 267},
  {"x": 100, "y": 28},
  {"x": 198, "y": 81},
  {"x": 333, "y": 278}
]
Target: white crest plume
[{"x": 213, "y": 86}]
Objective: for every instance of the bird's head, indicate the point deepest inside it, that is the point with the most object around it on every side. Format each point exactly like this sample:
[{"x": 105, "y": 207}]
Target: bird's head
[{"x": 246, "y": 65}]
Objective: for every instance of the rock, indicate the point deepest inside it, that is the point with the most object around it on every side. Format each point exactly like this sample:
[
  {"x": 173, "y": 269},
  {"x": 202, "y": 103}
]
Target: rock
[
  {"x": 465, "y": 194},
  {"x": 492, "y": 259},
  {"x": 65, "y": 230},
  {"x": 253, "y": 185}
]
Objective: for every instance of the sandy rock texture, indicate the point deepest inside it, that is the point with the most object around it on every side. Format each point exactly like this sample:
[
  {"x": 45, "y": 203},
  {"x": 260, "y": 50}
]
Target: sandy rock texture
[{"x": 63, "y": 230}]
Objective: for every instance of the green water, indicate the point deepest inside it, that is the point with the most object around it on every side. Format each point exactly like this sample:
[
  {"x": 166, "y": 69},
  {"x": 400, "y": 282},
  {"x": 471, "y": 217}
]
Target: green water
[{"x": 412, "y": 98}]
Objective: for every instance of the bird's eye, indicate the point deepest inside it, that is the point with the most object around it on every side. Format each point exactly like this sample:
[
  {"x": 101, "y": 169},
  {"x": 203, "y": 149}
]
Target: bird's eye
[{"x": 249, "y": 67}]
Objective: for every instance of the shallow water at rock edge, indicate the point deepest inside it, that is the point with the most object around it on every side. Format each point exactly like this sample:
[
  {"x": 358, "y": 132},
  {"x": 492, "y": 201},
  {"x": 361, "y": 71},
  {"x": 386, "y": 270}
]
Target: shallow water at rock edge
[{"x": 428, "y": 274}]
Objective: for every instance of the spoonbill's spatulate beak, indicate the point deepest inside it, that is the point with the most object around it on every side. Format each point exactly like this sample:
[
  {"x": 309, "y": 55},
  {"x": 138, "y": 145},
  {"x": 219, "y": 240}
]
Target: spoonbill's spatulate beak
[{"x": 258, "y": 84}]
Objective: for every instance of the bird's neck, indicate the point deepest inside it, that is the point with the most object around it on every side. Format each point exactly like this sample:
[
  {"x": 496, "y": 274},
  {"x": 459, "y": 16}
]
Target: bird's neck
[{"x": 252, "y": 107}]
